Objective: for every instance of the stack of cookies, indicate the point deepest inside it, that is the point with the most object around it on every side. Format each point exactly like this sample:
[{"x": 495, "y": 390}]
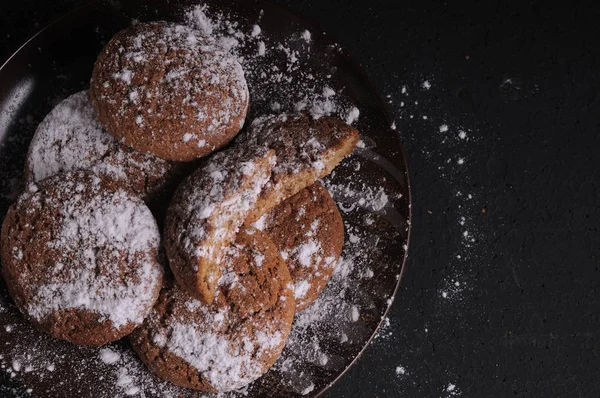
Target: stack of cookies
[{"x": 122, "y": 231}]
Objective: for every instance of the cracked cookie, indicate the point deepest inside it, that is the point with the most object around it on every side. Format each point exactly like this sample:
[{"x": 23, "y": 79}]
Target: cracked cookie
[{"x": 207, "y": 211}]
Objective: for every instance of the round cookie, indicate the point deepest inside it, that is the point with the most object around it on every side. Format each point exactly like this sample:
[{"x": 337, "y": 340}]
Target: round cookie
[
  {"x": 71, "y": 138},
  {"x": 227, "y": 344},
  {"x": 308, "y": 230},
  {"x": 166, "y": 89},
  {"x": 80, "y": 257}
]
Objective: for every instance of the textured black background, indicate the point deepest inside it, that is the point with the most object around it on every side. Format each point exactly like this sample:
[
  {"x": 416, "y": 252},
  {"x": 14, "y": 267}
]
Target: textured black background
[{"x": 527, "y": 322}]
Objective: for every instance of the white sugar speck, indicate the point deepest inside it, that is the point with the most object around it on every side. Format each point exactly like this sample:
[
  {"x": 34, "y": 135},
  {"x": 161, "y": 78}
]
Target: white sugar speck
[
  {"x": 306, "y": 36},
  {"x": 443, "y": 128},
  {"x": 450, "y": 387},
  {"x": 352, "y": 115},
  {"x": 132, "y": 391},
  {"x": 261, "y": 48},
  {"x": 16, "y": 365},
  {"x": 460, "y": 161},
  {"x": 444, "y": 294},
  {"x": 400, "y": 370},
  {"x": 328, "y": 92},
  {"x": 255, "y": 31},
  {"x": 462, "y": 135},
  {"x": 311, "y": 387},
  {"x": 354, "y": 314},
  {"x": 300, "y": 289},
  {"x": 426, "y": 85},
  {"x": 109, "y": 356}
]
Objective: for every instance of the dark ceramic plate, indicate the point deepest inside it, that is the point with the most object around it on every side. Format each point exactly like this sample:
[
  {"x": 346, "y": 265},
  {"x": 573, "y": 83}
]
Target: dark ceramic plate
[{"x": 371, "y": 188}]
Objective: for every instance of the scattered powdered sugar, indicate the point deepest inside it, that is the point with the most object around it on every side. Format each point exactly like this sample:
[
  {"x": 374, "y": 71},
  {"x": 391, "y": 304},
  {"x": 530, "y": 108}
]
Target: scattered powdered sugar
[
  {"x": 277, "y": 72},
  {"x": 444, "y": 148},
  {"x": 340, "y": 308}
]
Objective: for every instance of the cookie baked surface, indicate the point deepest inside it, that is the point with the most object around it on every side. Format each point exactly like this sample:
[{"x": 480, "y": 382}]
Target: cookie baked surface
[
  {"x": 233, "y": 341},
  {"x": 80, "y": 258},
  {"x": 167, "y": 89},
  {"x": 71, "y": 138},
  {"x": 306, "y": 149},
  {"x": 308, "y": 230},
  {"x": 206, "y": 212}
]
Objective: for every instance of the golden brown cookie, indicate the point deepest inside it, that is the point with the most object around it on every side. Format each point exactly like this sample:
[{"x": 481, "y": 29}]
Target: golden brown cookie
[
  {"x": 233, "y": 341},
  {"x": 308, "y": 230},
  {"x": 306, "y": 149},
  {"x": 206, "y": 212},
  {"x": 71, "y": 138},
  {"x": 166, "y": 89},
  {"x": 80, "y": 258}
]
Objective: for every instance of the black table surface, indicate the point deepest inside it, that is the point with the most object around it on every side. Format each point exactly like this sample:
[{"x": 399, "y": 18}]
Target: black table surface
[{"x": 501, "y": 295}]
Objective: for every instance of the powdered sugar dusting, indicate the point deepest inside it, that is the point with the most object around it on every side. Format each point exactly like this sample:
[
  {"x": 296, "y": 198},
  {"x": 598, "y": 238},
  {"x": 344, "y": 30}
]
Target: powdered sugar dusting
[
  {"x": 71, "y": 138},
  {"x": 300, "y": 289},
  {"x": 115, "y": 225}
]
